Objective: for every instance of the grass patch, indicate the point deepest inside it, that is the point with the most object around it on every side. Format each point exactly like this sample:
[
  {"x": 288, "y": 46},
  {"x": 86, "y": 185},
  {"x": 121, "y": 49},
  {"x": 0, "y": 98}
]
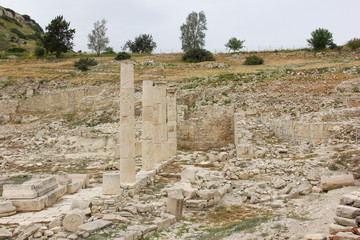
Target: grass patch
[{"x": 219, "y": 233}]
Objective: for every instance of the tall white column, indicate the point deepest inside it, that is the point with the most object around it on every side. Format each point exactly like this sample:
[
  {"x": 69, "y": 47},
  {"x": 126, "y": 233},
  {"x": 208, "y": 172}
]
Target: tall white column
[
  {"x": 127, "y": 125},
  {"x": 171, "y": 121},
  {"x": 157, "y": 125},
  {"x": 147, "y": 126},
  {"x": 163, "y": 122}
]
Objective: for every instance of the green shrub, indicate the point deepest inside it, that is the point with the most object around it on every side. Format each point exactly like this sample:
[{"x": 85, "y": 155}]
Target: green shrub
[
  {"x": 26, "y": 17},
  {"x": 17, "y": 32},
  {"x": 122, "y": 56},
  {"x": 39, "y": 51},
  {"x": 320, "y": 39},
  {"x": 108, "y": 50},
  {"x": 253, "y": 60},
  {"x": 84, "y": 63},
  {"x": 198, "y": 55},
  {"x": 354, "y": 44},
  {"x": 16, "y": 50}
]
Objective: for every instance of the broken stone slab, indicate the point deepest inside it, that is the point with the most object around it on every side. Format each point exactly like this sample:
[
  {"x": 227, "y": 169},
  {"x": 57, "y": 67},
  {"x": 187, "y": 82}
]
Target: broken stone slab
[
  {"x": 208, "y": 194},
  {"x": 5, "y": 234},
  {"x": 304, "y": 188},
  {"x": 165, "y": 215},
  {"x": 144, "y": 229},
  {"x": 39, "y": 203},
  {"x": 345, "y": 236},
  {"x": 335, "y": 228},
  {"x": 187, "y": 190},
  {"x": 79, "y": 203},
  {"x": 63, "y": 179},
  {"x": 349, "y": 199},
  {"x": 279, "y": 183},
  {"x": 188, "y": 175},
  {"x": 174, "y": 205},
  {"x": 347, "y": 211},
  {"x": 94, "y": 225},
  {"x": 196, "y": 204},
  {"x": 29, "y": 189},
  {"x": 73, "y": 220},
  {"x": 143, "y": 208},
  {"x": 338, "y": 181},
  {"x": 115, "y": 218},
  {"x": 162, "y": 224},
  {"x": 132, "y": 235},
  {"x": 346, "y": 222},
  {"x": 29, "y": 231},
  {"x": 7, "y": 209},
  {"x": 315, "y": 236},
  {"x": 83, "y": 178}
]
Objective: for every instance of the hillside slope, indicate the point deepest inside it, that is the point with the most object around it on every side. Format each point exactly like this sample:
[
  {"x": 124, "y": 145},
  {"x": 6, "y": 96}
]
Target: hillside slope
[{"x": 18, "y": 31}]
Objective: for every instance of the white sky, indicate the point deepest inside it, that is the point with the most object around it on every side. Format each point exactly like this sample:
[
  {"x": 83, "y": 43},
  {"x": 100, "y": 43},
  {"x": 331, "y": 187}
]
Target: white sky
[{"x": 263, "y": 24}]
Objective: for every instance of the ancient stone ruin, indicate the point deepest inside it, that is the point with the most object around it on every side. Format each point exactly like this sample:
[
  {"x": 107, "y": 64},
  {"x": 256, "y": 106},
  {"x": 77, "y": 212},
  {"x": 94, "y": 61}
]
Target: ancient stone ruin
[{"x": 134, "y": 182}]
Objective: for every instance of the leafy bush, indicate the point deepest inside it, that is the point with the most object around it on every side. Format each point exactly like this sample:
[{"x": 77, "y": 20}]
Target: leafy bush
[
  {"x": 26, "y": 17},
  {"x": 108, "y": 50},
  {"x": 253, "y": 60},
  {"x": 16, "y": 50},
  {"x": 84, "y": 63},
  {"x": 142, "y": 44},
  {"x": 354, "y": 44},
  {"x": 320, "y": 39},
  {"x": 122, "y": 56},
  {"x": 39, "y": 51},
  {"x": 198, "y": 55},
  {"x": 17, "y": 32}
]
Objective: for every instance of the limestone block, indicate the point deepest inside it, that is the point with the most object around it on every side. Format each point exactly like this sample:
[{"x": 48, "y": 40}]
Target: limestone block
[
  {"x": 187, "y": 190},
  {"x": 348, "y": 199},
  {"x": 84, "y": 178},
  {"x": 29, "y": 231},
  {"x": 25, "y": 205},
  {"x": 127, "y": 76},
  {"x": 74, "y": 186},
  {"x": 94, "y": 225},
  {"x": 126, "y": 102},
  {"x": 45, "y": 185},
  {"x": 115, "y": 218},
  {"x": 138, "y": 149},
  {"x": 147, "y": 97},
  {"x": 188, "y": 175},
  {"x": 224, "y": 157},
  {"x": 73, "y": 220},
  {"x": 63, "y": 179},
  {"x": 5, "y": 234},
  {"x": 335, "y": 228},
  {"x": 147, "y": 155},
  {"x": 174, "y": 205},
  {"x": 345, "y": 236},
  {"x": 80, "y": 204},
  {"x": 111, "y": 184},
  {"x": 147, "y": 114},
  {"x": 347, "y": 211},
  {"x": 157, "y": 153},
  {"x": 333, "y": 182},
  {"x": 316, "y": 236},
  {"x": 162, "y": 224},
  {"x": 7, "y": 209},
  {"x": 196, "y": 204},
  {"x": 346, "y": 222},
  {"x": 52, "y": 196},
  {"x": 127, "y": 170},
  {"x": 117, "y": 151}
]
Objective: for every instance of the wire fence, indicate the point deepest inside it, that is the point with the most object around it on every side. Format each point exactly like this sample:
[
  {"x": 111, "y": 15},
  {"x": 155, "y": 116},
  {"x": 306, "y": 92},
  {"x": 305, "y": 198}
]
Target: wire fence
[{"x": 250, "y": 48}]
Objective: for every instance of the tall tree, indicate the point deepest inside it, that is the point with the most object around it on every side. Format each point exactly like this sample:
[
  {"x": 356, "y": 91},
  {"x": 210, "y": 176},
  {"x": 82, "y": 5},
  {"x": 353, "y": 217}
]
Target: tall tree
[
  {"x": 142, "y": 44},
  {"x": 234, "y": 44},
  {"x": 192, "y": 31},
  {"x": 97, "y": 38},
  {"x": 58, "y": 36},
  {"x": 320, "y": 39}
]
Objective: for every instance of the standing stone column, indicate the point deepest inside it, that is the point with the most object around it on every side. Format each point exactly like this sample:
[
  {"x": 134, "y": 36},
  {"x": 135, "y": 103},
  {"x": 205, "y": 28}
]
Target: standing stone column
[
  {"x": 156, "y": 124},
  {"x": 163, "y": 122},
  {"x": 127, "y": 125},
  {"x": 171, "y": 121},
  {"x": 147, "y": 126}
]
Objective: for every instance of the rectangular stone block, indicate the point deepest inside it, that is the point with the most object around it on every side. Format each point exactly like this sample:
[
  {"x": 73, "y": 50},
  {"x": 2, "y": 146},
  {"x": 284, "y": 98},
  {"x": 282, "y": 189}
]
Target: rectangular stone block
[
  {"x": 126, "y": 102},
  {"x": 27, "y": 205},
  {"x": 147, "y": 155},
  {"x": 345, "y": 222},
  {"x": 83, "y": 178},
  {"x": 347, "y": 211},
  {"x": 54, "y": 195},
  {"x": 147, "y": 114},
  {"x": 333, "y": 182},
  {"x": 111, "y": 184},
  {"x": 138, "y": 149},
  {"x": 127, "y": 76}
]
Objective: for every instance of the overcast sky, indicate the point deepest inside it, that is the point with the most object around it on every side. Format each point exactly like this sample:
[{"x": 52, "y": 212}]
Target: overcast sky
[{"x": 263, "y": 24}]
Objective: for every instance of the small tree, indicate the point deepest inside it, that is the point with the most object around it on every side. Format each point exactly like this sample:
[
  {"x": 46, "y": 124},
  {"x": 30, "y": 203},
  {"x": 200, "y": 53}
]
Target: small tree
[
  {"x": 234, "y": 44},
  {"x": 142, "y": 44},
  {"x": 97, "y": 38},
  {"x": 58, "y": 36},
  {"x": 320, "y": 39},
  {"x": 353, "y": 44},
  {"x": 109, "y": 50},
  {"x": 192, "y": 32}
]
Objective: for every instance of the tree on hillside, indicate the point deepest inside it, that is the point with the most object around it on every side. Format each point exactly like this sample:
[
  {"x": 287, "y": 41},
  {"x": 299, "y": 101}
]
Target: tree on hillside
[
  {"x": 320, "y": 39},
  {"x": 192, "y": 31},
  {"x": 142, "y": 44},
  {"x": 234, "y": 44},
  {"x": 97, "y": 38},
  {"x": 58, "y": 36}
]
